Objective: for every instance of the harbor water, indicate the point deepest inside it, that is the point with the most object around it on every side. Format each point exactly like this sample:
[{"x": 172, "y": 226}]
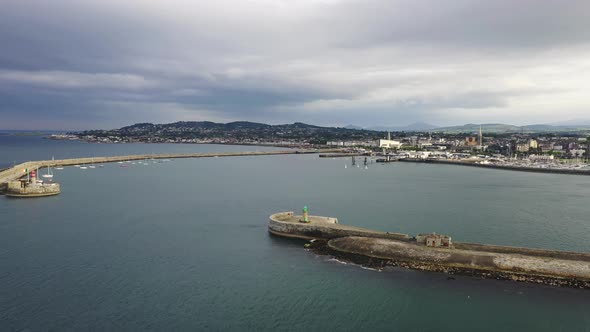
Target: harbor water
[{"x": 183, "y": 245}]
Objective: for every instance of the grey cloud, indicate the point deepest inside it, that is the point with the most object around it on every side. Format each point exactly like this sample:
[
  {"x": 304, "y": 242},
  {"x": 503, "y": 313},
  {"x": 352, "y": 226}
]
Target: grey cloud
[
  {"x": 464, "y": 23},
  {"x": 62, "y": 79},
  {"x": 335, "y": 62}
]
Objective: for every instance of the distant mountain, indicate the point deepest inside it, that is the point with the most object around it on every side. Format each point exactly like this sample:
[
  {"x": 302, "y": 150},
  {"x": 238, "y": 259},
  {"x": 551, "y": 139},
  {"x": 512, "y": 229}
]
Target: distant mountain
[
  {"x": 501, "y": 128},
  {"x": 486, "y": 127},
  {"x": 353, "y": 127},
  {"x": 572, "y": 123},
  {"x": 416, "y": 126}
]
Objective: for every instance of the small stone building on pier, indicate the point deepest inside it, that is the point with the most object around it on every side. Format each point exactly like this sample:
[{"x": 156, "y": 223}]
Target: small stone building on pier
[{"x": 434, "y": 240}]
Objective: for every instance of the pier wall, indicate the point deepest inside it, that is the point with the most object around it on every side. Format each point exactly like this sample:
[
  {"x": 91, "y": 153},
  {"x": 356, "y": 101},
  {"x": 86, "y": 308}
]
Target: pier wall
[
  {"x": 16, "y": 171},
  {"x": 32, "y": 191},
  {"x": 566, "y": 255},
  {"x": 517, "y": 264}
]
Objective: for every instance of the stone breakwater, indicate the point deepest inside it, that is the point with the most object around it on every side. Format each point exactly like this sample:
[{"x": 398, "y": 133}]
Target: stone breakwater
[
  {"x": 16, "y": 171},
  {"x": 380, "y": 249}
]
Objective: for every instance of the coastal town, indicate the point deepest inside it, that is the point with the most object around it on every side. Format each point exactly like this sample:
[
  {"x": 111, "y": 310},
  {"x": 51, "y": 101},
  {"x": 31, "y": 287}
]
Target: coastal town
[{"x": 526, "y": 149}]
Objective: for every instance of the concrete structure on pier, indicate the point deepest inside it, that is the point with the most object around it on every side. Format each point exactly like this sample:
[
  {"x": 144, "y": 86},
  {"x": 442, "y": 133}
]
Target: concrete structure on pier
[
  {"x": 434, "y": 240},
  {"x": 31, "y": 187}
]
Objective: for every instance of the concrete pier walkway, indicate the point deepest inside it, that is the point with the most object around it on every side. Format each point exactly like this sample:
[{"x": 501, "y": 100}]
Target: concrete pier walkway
[
  {"x": 289, "y": 225},
  {"x": 16, "y": 171}
]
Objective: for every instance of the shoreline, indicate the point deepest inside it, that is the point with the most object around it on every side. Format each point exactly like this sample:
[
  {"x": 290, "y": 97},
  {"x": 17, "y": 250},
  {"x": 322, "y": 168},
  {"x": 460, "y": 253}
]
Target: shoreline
[{"x": 500, "y": 167}]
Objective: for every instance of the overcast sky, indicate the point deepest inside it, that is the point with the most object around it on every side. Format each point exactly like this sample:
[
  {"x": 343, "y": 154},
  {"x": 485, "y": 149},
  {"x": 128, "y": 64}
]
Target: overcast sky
[{"x": 77, "y": 64}]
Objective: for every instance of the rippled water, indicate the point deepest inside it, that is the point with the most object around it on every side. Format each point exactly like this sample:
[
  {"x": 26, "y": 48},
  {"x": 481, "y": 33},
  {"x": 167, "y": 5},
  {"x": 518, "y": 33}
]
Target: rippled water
[{"x": 183, "y": 245}]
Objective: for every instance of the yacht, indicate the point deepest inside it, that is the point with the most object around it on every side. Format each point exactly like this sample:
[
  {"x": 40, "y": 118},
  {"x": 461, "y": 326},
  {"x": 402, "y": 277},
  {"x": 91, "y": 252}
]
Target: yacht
[{"x": 49, "y": 174}]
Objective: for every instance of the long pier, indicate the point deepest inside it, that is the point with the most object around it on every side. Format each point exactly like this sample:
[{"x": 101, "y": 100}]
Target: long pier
[
  {"x": 16, "y": 172},
  {"x": 379, "y": 249}
]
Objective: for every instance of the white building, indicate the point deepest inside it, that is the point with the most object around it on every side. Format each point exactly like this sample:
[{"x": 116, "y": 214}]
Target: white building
[
  {"x": 389, "y": 143},
  {"x": 577, "y": 153},
  {"x": 542, "y": 157}
]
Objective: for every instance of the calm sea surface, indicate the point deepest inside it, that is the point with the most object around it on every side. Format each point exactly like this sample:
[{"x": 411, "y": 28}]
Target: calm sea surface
[{"x": 183, "y": 245}]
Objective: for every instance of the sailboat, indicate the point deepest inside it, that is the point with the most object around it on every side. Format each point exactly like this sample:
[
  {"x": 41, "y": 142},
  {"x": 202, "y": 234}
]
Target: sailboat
[
  {"x": 92, "y": 164},
  {"x": 49, "y": 174}
]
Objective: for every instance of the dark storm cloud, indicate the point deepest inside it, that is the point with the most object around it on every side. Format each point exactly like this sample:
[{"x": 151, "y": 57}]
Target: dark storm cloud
[{"x": 108, "y": 63}]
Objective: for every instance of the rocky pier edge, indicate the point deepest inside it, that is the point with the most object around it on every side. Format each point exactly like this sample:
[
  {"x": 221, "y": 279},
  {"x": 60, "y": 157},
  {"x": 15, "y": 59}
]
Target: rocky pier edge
[{"x": 379, "y": 250}]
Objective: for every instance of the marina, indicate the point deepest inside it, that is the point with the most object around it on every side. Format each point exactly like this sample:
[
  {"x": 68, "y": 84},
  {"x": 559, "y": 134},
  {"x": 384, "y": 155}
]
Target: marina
[{"x": 580, "y": 169}]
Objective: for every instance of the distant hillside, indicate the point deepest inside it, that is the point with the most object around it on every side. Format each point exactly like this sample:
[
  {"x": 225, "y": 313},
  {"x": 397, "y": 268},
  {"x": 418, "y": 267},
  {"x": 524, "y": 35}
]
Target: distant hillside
[
  {"x": 417, "y": 126},
  {"x": 501, "y": 128},
  {"x": 487, "y": 127},
  {"x": 553, "y": 128},
  {"x": 254, "y": 130},
  {"x": 239, "y": 130},
  {"x": 353, "y": 127}
]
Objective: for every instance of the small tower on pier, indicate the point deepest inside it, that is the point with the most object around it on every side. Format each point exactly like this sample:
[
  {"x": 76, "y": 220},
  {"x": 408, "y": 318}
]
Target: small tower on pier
[{"x": 305, "y": 214}]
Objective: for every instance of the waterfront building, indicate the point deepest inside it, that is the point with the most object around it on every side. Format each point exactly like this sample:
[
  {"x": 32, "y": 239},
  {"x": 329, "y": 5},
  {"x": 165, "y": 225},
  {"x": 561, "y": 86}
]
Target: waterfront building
[
  {"x": 523, "y": 147},
  {"x": 350, "y": 143},
  {"x": 577, "y": 153},
  {"x": 389, "y": 143},
  {"x": 541, "y": 157},
  {"x": 471, "y": 141}
]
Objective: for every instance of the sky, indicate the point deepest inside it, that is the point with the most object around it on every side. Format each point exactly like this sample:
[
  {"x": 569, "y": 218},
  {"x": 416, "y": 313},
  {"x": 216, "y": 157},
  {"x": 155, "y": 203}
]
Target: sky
[{"x": 83, "y": 64}]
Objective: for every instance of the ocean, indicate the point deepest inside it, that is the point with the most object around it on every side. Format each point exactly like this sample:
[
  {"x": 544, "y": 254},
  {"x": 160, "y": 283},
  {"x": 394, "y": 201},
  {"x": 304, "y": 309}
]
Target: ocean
[{"x": 183, "y": 245}]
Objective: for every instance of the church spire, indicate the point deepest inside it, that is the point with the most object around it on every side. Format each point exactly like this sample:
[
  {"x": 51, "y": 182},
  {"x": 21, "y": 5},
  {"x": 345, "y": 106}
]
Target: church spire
[{"x": 480, "y": 137}]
